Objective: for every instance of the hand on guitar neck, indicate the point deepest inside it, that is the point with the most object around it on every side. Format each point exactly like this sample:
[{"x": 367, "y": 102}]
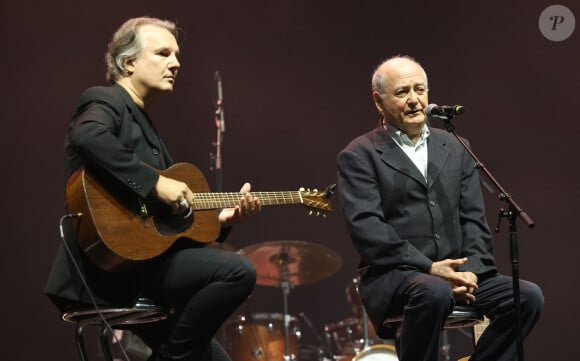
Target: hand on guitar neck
[
  {"x": 248, "y": 206},
  {"x": 180, "y": 198}
]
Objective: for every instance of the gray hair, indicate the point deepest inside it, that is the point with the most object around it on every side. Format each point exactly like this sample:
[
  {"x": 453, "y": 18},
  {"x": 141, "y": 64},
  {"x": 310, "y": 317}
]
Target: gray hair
[
  {"x": 126, "y": 44},
  {"x": 378, "y": 80}
]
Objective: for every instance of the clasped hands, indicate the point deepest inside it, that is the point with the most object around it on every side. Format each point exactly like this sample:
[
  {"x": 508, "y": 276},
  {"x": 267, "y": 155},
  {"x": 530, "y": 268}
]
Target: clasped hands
[
  {"x": 179, "y": 197},
  {"x": 462, "y": 283}
]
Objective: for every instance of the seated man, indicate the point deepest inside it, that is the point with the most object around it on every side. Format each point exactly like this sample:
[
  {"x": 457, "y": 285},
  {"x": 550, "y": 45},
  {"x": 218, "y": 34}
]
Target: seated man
[
  {"x": 414, "y": 209},
  {"x": 112, "y": 135}
]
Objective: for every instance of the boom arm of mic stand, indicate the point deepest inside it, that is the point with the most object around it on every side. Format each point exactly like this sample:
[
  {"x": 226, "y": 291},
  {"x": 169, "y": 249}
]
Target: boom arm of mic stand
[
  {"x": 503, "y": 195},
  {"x": 514, "y": 210}
]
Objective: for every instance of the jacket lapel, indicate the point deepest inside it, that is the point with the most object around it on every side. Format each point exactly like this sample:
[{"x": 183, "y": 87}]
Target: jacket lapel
[
  {"x": 438, "y": 153},
  {"x": 149, "y": 131},
  {"x": 394, "y": 156}
]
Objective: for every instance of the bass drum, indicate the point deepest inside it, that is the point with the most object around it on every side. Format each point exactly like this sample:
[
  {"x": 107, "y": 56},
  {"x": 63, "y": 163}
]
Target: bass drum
[
  {"x": 260, "y": 337},
  {"x": 377, "y": 353}
]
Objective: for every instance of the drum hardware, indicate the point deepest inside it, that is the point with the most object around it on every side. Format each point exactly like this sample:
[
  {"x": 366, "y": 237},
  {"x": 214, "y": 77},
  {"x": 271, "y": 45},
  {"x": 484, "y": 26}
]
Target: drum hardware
[
  {"x": 324, "y": 348},
  {"x": 357, "y": 301},
  {"x": 257, "y": 353},
  {"x": 287, "y": 264},
  {"x": 345, "y": 337},
  {"x": 366, "y": 329},
  {"x": 353, "y": 335}
]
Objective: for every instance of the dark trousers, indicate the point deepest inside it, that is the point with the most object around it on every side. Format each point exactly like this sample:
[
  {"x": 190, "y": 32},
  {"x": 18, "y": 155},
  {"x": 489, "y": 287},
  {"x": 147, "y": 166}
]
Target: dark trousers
[
  {"x": 205, "y": 286},
  {"x": 428, "y": 300}
]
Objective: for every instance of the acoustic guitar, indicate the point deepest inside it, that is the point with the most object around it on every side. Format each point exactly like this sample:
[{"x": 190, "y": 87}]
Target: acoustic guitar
[{"x": 117, "y": 229}]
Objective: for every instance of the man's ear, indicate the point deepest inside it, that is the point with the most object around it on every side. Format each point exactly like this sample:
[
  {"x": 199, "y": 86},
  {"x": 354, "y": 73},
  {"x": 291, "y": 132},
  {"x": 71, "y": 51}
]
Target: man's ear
[
  {"x": 129, "y": 65},
  {"x": 378, "y": 102}
]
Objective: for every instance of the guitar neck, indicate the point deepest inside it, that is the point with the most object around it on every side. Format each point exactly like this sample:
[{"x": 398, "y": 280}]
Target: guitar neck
[{"x": 206, "y": 201}]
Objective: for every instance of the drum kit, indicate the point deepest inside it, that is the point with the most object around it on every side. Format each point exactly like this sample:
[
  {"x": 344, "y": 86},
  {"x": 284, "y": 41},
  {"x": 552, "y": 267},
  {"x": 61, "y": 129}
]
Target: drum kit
[{"x": 276, "y": 336}]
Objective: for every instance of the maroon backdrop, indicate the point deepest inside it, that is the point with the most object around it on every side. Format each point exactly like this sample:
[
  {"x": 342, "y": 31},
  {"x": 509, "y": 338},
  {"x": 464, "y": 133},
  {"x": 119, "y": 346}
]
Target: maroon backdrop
[{"x": 296, "y": 80}]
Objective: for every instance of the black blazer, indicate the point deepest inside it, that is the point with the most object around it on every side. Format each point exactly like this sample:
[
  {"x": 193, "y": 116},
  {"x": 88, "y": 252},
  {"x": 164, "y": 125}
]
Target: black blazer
[
  {"x": 111, "y": 135},
  {"x": 400, "y": 222}
]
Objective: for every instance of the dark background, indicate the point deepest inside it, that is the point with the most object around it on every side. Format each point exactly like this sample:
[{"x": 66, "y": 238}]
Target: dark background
[{"x": 296, "y": 79}]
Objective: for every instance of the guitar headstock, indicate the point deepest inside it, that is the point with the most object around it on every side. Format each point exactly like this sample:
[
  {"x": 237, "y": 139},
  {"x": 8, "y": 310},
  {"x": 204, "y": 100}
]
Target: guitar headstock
[{"x": 317, "y": 202}]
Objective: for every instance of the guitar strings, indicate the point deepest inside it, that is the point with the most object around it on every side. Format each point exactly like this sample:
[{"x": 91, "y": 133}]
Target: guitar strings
[{"x": 217, "y": 200}]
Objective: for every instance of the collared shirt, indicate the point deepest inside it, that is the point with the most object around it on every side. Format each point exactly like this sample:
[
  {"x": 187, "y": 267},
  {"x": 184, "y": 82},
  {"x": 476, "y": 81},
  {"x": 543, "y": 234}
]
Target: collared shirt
[{"x": 416, "y": 152}]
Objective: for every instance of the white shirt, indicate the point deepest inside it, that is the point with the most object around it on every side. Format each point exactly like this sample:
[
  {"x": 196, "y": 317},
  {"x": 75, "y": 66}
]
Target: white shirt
[{"x": 416, "y": 152}]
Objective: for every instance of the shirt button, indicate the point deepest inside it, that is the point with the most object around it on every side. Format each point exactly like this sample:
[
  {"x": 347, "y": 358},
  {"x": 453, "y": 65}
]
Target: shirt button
[
  {"x": 155, "y": 151},
  {"x": 437, "y": 236},
  {"x": 431, "y": 203}
]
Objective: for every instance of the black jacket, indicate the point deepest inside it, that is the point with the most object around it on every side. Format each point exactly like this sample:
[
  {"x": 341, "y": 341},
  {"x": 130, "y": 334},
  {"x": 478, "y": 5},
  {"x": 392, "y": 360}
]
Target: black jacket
[
  {"x": 110, "y": 135},
  {"x": 400, "y": 222}
]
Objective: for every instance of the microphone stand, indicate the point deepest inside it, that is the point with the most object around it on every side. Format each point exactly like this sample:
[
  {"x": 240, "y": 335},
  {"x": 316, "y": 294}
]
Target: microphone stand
[
  {"x": 513, "y": 211},
  {"x": 216, "y": 160}
]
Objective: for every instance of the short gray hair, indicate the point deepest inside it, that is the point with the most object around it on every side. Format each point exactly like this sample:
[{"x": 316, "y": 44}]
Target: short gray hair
[
  {"x": 378, "y": 80},
  {"x": 126, "y": 44}
]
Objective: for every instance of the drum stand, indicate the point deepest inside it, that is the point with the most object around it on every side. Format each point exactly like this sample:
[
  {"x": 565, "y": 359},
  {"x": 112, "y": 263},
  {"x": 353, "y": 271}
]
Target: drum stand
[
  {"x": 285, "y": 285},
  {"x": 365, "y": 319},
  {"x": 287, "y": 264}
]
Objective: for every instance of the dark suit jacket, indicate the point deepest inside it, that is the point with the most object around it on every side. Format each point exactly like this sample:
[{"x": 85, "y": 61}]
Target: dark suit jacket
[
  {"x": 400, "y": 223},
  {"x": 113, "y": 137}
]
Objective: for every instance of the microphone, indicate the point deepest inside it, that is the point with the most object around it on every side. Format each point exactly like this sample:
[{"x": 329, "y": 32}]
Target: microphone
[
  {"x": 444, "y": 111},
  {"x": 219, "y": 109}
]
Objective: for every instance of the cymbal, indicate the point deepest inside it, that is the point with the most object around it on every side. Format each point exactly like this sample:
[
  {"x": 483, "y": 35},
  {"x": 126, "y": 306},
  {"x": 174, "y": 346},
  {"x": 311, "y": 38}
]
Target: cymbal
[{"x": 298, "y": 262}]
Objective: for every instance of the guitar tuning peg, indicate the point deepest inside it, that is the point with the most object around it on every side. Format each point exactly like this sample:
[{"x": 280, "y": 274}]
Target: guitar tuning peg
[
  {"x": 301, "y": 189},
  {"x": 324, "y": 215},
  {"x": 310, "y": 212},
  {"x": 317, "y": 213},
  {"x": 315, "y": 191}
]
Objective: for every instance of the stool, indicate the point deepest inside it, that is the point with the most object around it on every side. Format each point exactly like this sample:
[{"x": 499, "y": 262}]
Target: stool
[
  {"x": 461, "y": 316},
  {"x": 144, "y": 311}
]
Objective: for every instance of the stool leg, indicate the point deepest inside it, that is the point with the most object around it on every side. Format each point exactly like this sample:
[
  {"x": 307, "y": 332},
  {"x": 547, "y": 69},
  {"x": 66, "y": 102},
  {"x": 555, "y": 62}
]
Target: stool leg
[
  {"x": 445, "y": 346},
  {"x": 79, "y": 339},
  {"x": 397, "y": 340},
  {"x": 105, "y": 345}
]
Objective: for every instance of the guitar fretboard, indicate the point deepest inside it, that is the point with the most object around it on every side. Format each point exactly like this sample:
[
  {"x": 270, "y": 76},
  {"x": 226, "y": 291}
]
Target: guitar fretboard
[{"x": 205, "y": 201}]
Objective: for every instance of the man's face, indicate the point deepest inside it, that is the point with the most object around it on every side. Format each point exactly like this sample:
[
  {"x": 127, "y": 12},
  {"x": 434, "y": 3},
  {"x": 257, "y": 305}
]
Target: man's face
[
  {"x": 404, "y": 97},
  {"x": 155, "y": 69}
]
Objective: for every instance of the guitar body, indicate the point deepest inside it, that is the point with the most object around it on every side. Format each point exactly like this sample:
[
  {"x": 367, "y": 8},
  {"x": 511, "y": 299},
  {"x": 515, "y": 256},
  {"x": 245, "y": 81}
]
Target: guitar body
[{"x": 117, "y": 230}]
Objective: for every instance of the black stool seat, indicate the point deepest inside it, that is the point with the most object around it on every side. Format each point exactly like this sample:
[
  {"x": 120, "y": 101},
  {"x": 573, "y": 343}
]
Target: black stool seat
[
  {"x": 462, "y": 316},
  {"x": 144, "y": 311}
]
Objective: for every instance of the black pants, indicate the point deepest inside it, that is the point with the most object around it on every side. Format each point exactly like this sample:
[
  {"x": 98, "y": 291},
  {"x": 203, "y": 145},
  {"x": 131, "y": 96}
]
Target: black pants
[
  {"x": 205, "y": 286},
  {"x": 428, "y": 300}
]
